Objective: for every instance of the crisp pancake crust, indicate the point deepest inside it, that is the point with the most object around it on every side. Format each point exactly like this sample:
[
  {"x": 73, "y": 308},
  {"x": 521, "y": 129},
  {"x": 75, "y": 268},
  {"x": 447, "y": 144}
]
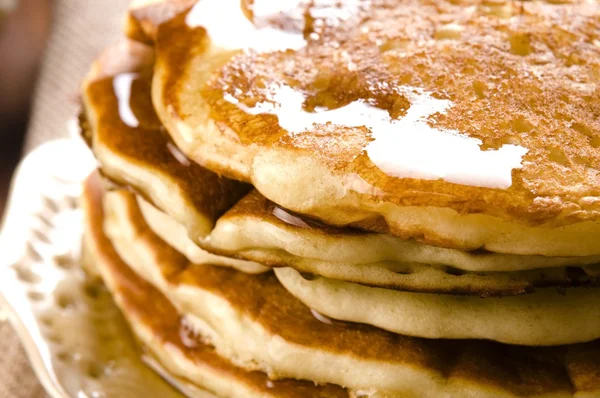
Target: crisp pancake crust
[
  {"x": 392, "y": 115},
  {"x": 129, "y": 141}
]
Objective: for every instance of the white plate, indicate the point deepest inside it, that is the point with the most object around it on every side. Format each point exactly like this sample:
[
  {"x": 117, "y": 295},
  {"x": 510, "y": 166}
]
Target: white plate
[{"x": 75, "y": 337}]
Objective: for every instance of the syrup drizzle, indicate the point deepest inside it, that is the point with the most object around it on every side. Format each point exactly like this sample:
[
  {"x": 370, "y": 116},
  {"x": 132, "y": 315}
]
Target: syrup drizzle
[
  {"x": 412, "y": 148},
  {"x": 269, "y": 25},
  {"x": 407, "y": 147},
  {"x": 178, "y": 155},
  {"x": 320, "y": 317},
  {"x": 289, "y": 218},
  {"x": 122, "y": 85},
  {"x": 124, "y": 92},
  {"x": 275, "y": 25}
]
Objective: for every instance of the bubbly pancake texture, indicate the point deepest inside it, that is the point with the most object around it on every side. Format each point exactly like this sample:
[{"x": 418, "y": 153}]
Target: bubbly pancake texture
[
  {"x": 255, "y": 322},
  {"x": 132, "y": 148},
  {"x": 463, "y": 124},
  {"x": 163, "y": 331}
]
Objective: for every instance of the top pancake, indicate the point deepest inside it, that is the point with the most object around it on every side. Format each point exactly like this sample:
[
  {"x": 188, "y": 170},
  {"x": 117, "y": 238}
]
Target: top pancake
[{"x": 464, "y": 125}]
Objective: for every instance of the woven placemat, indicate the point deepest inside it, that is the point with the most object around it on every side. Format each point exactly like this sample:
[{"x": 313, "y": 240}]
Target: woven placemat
[{"x": 81, "y": 29}]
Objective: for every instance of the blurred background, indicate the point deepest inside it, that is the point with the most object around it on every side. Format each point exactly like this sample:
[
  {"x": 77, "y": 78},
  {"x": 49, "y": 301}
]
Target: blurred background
[
  {"x": 46, "y": 47},
  {"x": 24, "y": 30}
]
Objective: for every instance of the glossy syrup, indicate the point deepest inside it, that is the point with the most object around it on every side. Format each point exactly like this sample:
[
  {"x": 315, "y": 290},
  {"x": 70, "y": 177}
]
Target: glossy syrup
[
  {"x": 405, "y": 147},
  {"x": 289, "y": 218},
  {"x": 263, "y": 26},
  {"x": 122, "y": 85}
]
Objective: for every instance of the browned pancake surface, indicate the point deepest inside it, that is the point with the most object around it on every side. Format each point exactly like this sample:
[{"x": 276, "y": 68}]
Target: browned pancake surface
[
  {"x": 147, "y": 144},
  {"x": 519, "y": 370},
  {"x": 528, "y": 80},
  {"x": 145, "y": 304}
]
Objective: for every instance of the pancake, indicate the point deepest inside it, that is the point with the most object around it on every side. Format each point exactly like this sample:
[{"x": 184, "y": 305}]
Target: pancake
[
  {"x": 257, "y": 230},
  {"x": 535, "y": 320},
  {"x": 538, "y": 319},
  {"x": 138, "y": 153},
  {"x": 163, "y": 332},
  {"x": 122, "y": 129},
  {"x": 254, "y": 229},
  {"x": 122, "y": 121},
  {"x": 175, "y": 235},
  {"x": 494, "y": 171},
  {"x": 255, "y": 322},
  {"x": 501, "y": 154}
]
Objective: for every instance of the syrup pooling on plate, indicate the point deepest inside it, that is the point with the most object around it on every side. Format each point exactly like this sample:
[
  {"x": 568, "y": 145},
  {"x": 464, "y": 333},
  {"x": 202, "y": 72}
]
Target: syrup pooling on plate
[{"x": 406, "y": 147}]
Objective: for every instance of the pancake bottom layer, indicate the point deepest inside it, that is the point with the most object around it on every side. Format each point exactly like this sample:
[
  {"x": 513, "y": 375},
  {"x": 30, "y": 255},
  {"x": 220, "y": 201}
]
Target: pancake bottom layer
[
  {"x": 253, "y": 321},
  {"x": 161, "y": 329}
]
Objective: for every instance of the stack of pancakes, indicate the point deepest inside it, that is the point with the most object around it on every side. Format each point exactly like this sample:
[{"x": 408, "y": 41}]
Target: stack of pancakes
[{"x": 383, "y": 198}]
